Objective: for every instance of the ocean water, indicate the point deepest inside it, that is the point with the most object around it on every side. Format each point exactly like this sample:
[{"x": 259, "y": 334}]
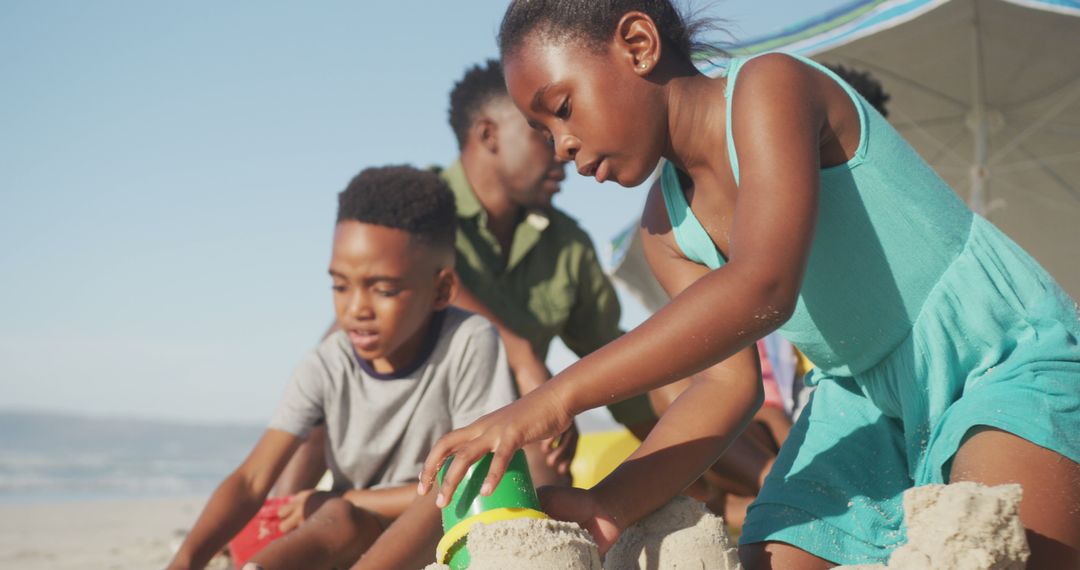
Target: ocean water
[{"x": 48, "y": 457}]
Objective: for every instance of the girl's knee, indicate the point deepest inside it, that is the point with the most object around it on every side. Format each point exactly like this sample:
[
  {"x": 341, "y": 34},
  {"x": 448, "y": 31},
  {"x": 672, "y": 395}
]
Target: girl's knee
[
  {"x": 1051, "y": 490},
  {"x": 778, "y": 555}
]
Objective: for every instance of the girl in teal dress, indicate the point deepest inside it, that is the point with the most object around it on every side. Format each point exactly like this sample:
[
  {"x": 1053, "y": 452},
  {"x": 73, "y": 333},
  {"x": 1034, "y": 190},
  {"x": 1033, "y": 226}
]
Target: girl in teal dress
[{"x": 944, "y": 352}]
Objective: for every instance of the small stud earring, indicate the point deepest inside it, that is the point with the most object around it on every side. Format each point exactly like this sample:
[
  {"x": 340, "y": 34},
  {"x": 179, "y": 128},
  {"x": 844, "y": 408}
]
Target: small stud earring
[{"x": 644, "y": 65}]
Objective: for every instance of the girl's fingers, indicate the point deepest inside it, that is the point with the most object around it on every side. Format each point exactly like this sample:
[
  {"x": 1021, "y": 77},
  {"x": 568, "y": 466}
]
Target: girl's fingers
[
  {"x": 499, "y": 461},
  {"x": 463, "y": 458},
  {"x": 436, "y": 457}
]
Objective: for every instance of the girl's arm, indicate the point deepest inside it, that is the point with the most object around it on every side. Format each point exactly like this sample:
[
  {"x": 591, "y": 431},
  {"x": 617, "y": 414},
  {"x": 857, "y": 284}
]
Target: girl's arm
[
  {"x": 702, "y": 421},
  {"x": 236, "y": 500},
  {"x": 777, "y": 121}
]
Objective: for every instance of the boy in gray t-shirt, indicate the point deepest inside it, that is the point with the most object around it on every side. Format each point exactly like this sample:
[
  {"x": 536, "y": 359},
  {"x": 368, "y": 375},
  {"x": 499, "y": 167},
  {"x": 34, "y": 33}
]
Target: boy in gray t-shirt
[
  {"x": 381, "y": 426},
  {"x": 403, "y": 370}
]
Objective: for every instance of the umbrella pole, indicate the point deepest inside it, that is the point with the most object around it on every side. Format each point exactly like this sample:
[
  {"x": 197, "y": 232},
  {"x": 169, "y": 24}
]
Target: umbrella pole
[{"x": 977, "y": 121}]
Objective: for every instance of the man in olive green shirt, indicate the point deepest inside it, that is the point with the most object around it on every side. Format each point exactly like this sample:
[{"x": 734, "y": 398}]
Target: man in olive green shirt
[{"x": 526, "y": 266}]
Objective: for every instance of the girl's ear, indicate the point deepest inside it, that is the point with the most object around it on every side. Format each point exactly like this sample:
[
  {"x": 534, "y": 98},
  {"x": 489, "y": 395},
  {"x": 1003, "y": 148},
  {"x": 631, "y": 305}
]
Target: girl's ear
[
  {"x": 638, "y": 42},
  {"x": 446, "y": 288}
]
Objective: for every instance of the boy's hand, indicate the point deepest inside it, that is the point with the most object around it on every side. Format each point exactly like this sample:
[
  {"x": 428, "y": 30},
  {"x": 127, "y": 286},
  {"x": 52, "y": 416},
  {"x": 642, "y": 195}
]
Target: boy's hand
[
  {"x": 582, "y": 507},
  {"x": 538, "y": 415},
  {"x": 296, "y": 511}
]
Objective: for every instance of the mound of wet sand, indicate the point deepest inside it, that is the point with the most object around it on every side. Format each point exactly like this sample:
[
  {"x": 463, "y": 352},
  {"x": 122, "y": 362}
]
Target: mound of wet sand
[
  {"x": 962, "y": 526},
  {"x": 530, "y": 544},
  {"x": 680, "y": 535}
]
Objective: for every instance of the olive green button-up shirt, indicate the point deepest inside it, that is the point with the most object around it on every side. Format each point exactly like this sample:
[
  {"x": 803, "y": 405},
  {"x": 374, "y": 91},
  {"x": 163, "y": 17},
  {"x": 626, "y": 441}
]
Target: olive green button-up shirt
[{"x": 551, "y": 285}]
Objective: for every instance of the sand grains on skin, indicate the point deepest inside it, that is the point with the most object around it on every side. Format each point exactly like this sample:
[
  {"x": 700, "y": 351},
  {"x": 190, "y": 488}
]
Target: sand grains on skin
[
  {"x": 961, "y": 526},
  {"x": 681, "y": 535}
]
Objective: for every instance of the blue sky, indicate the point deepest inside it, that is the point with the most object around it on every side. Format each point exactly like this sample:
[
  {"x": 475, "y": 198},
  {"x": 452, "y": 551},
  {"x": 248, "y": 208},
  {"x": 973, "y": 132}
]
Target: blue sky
[{"x": 168, "y": 174}]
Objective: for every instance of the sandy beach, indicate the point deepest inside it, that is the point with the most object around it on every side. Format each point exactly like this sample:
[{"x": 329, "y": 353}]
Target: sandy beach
[{"x": 106, "y": 535}]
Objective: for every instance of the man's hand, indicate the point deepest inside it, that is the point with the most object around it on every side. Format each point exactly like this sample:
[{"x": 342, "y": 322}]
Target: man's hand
[
  {"x": 302, "y": 505},
  {"x": 559, "y": 451}
]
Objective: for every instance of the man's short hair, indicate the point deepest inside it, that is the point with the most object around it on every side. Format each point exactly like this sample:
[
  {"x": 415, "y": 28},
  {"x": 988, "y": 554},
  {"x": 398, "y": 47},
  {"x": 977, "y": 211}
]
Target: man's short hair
[
  {"x": 405, "y": 198},
  {"x": 481, "y": 84}
]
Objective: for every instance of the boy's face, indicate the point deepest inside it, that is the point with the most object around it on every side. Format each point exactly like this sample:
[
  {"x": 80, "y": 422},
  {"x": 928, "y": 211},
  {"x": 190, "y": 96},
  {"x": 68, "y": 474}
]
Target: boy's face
[{"x": 386, "y": 287}]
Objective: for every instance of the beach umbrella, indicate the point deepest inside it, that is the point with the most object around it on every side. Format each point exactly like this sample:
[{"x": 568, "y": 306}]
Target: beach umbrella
[{"x": 987, "y": 91}]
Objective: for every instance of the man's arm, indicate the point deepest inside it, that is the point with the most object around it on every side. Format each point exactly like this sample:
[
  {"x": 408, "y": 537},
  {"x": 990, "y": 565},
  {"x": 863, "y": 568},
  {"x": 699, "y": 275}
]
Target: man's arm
[
  {"x": 594, "y": 317},
  {"x": 594, "y": 322},
  {"x": 529, "y": 371},
  {"x": 236, "y": 500}
]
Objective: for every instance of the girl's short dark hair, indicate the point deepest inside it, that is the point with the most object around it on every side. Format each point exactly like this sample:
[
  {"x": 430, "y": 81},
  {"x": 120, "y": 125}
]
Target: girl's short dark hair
[
  {"x": 594, "y": 21},
  {"x": 405, "y": 198}
]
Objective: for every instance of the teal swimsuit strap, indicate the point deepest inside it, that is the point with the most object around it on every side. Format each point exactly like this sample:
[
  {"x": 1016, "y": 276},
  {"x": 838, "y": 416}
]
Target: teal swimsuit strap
[
  {"x": 856, "y": 99},
  {"x": 691, "y": 237}
]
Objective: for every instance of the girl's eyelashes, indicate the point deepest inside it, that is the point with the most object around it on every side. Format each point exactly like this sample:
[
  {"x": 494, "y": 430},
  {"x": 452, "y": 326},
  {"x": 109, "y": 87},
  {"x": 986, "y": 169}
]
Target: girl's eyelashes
[{"x": 563, "y": 112}]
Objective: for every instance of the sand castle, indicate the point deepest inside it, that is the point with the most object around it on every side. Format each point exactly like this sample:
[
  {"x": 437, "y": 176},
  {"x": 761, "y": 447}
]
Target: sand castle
[
  {"x": 530, "y": 544},
  {"x": 963, "y": 526},
  {"x": 682, "y": 534}
]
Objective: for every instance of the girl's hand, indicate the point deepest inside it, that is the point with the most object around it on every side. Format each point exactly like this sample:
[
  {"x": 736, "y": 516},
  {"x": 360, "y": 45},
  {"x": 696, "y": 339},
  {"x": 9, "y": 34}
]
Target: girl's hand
[
  {"x": 296, "y": 511},
  {"x": 536, "y": 416},
  {"x": 584, "y": 508}
]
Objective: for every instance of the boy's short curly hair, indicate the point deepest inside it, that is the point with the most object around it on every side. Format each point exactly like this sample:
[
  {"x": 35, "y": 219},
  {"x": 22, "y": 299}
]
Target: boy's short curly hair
[
  {"x": 405, "y": 198},
  {"x": 480, "y": 85}
]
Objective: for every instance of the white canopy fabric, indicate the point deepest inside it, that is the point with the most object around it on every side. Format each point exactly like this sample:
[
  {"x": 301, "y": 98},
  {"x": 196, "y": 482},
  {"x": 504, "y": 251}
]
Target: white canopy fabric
[{"x": 988, "y": 92}]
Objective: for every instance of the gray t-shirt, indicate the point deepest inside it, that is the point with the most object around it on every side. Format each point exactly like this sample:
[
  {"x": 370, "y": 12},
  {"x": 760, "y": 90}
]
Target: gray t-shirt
[{"x": 380, "y": 428}]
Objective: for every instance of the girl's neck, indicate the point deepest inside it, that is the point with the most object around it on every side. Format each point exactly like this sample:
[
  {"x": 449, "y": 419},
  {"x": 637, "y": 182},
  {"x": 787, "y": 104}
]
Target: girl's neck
[{"x": 696, "y": 120}]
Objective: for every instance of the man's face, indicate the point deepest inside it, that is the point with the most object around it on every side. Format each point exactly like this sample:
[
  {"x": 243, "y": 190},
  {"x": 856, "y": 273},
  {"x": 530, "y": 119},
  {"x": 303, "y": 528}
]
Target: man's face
[
  {"x": 526, "y": 163},
  {"x": 386, "y": 287}
]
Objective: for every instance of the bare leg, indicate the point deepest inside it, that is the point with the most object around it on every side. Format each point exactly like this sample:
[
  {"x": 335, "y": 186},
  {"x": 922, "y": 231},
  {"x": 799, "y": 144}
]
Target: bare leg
[
  {"x": 1050, "y": 509},
  {"x": 779, "y": 556},
  {"x": 306, "y": 466},
  {"x": 333, "y": 537},
  {"x": 777, "y": 422}
]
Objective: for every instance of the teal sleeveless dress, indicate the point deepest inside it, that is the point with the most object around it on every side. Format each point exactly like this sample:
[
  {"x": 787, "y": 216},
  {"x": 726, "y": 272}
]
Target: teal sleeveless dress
[{"x": 924, "y": 321}]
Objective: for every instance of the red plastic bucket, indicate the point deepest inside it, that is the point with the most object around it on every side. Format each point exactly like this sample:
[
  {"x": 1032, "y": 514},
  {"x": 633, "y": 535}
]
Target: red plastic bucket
[{"x": 260, "y": 531}]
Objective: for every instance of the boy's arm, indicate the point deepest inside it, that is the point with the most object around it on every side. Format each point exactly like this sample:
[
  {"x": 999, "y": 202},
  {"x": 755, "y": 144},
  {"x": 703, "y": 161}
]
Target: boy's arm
[
  {"x": 236, "y": 500},
  {"x": 410, "y": 541},
  {"x": 388, "y": 502}
]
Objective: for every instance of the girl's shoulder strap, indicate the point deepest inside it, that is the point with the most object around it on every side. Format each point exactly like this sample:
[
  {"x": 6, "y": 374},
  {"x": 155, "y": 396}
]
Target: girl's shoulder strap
[
  {"x": 690, "y": 235},
  {"x": 729, "y": 91}
]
